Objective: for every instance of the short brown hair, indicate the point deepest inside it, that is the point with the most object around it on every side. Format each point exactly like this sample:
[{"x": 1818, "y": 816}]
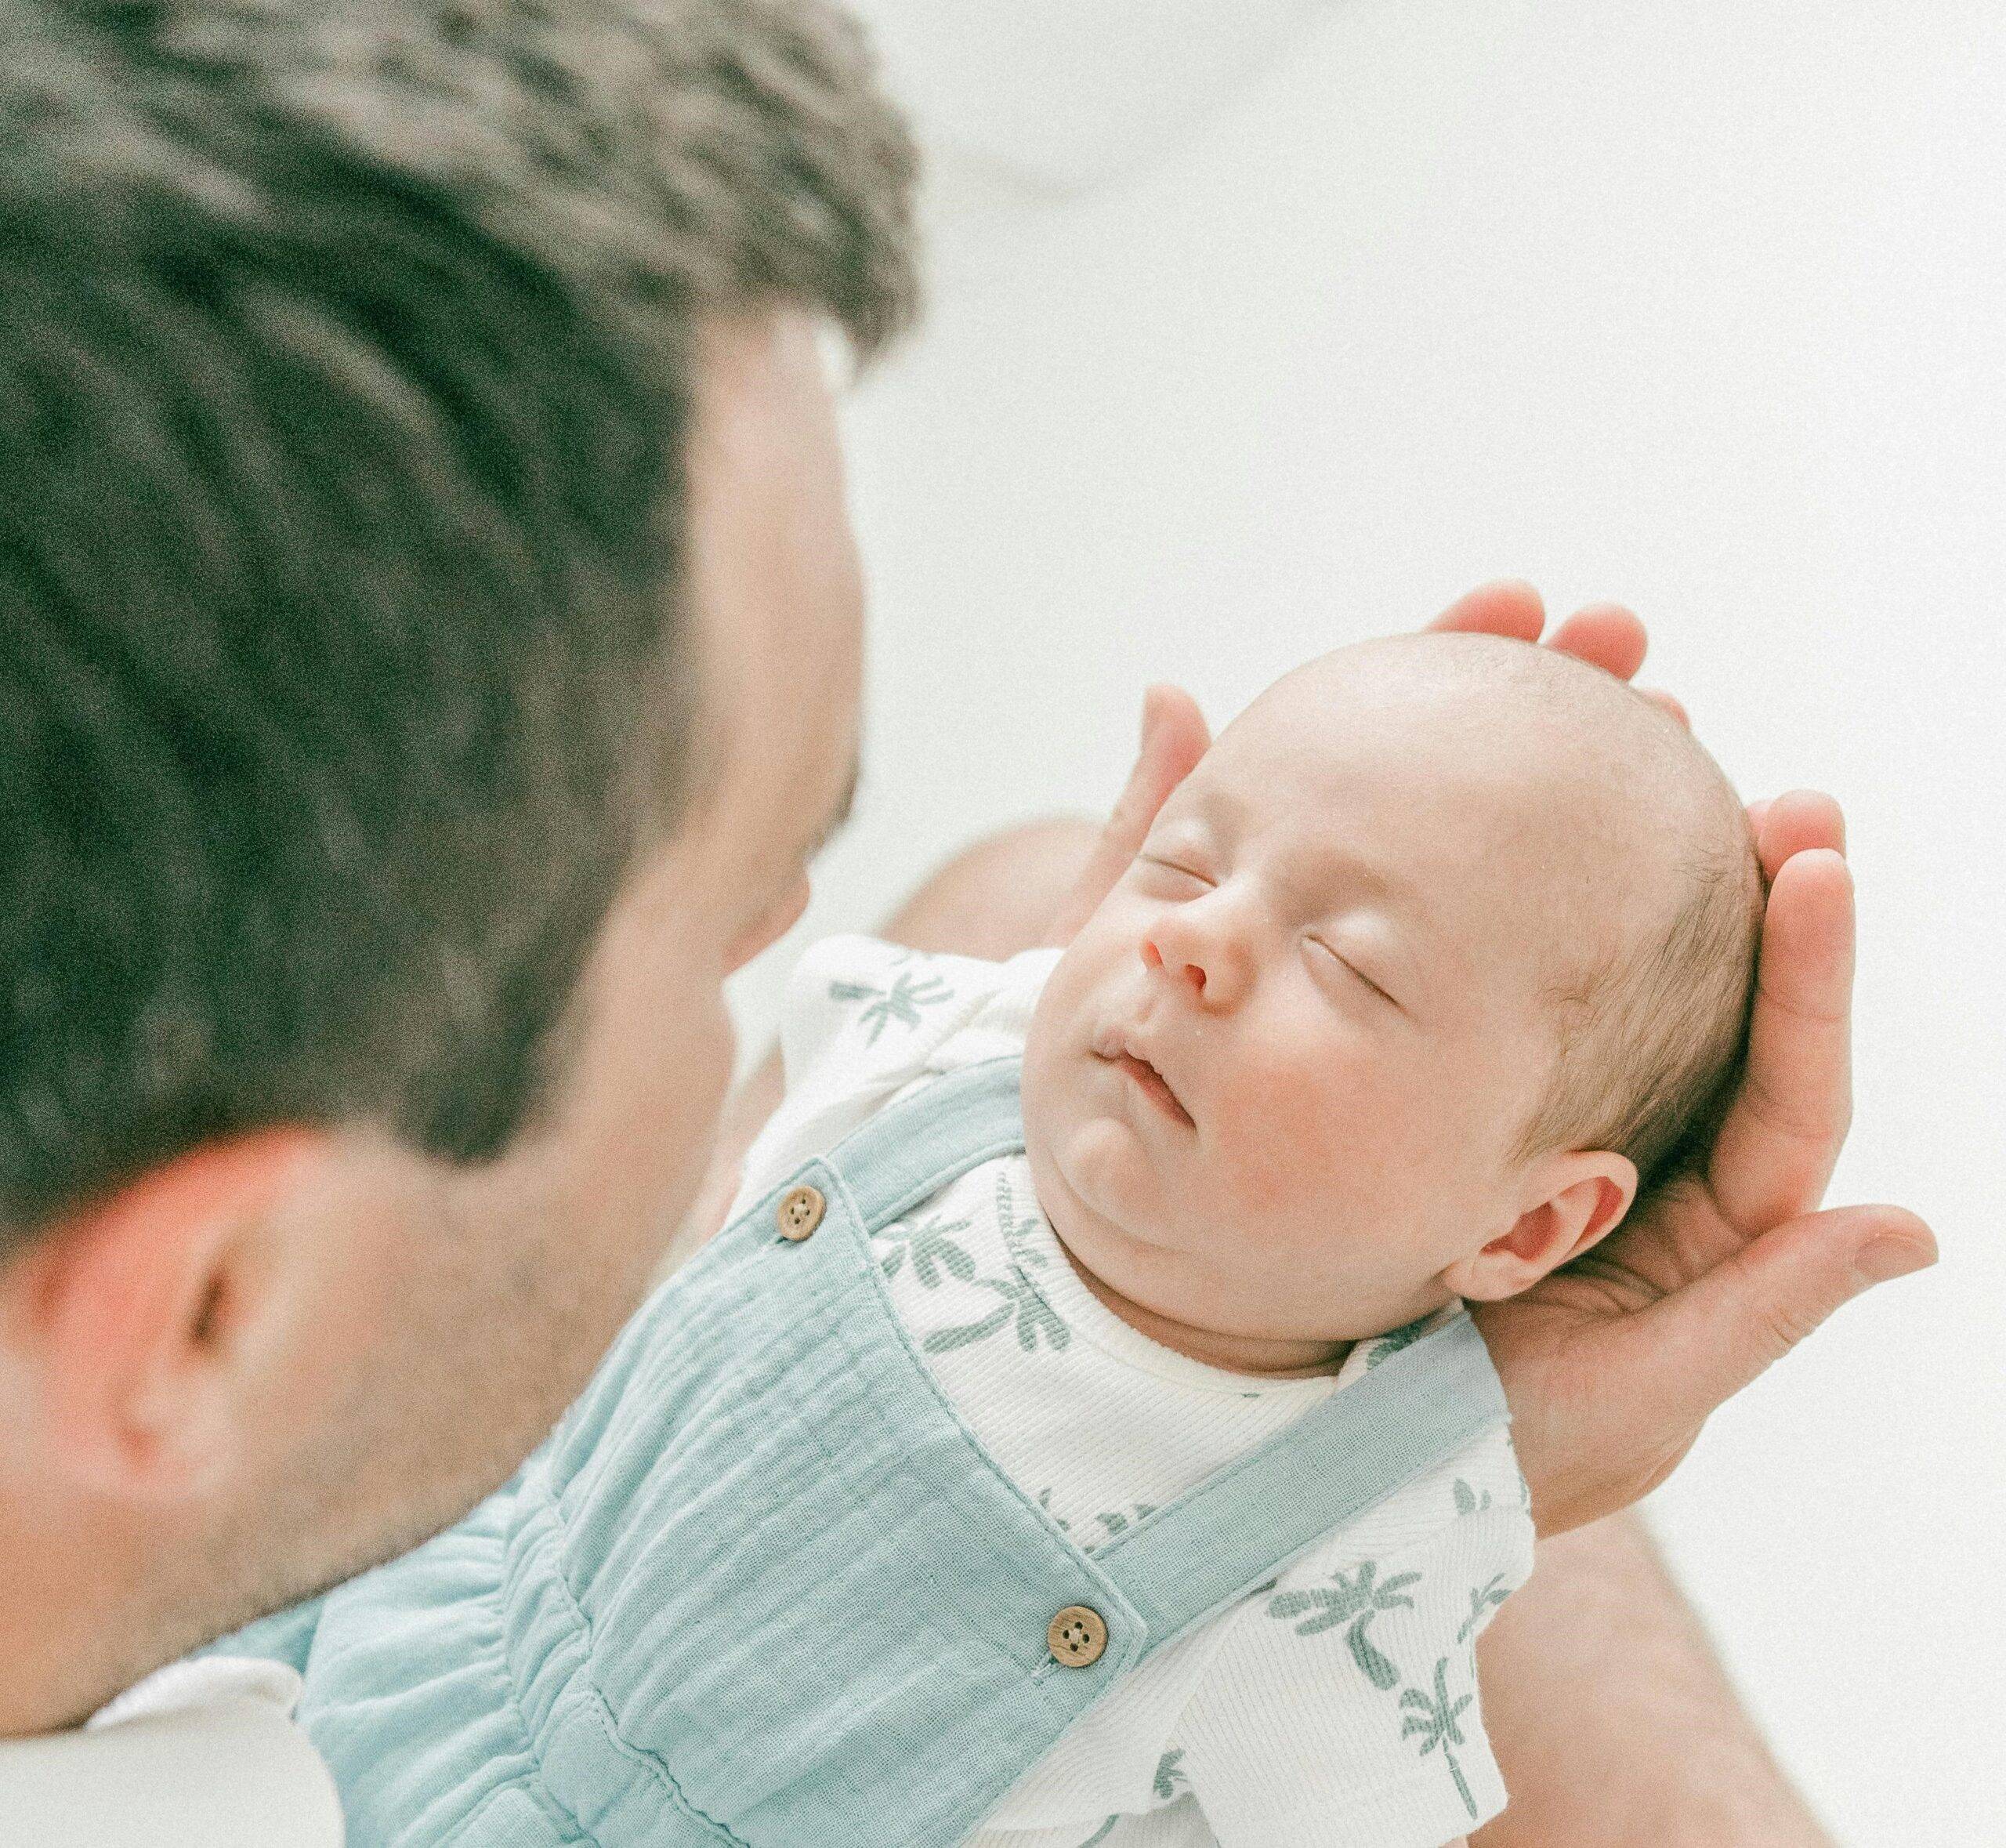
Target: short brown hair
[{"x": 345, "y": 353}]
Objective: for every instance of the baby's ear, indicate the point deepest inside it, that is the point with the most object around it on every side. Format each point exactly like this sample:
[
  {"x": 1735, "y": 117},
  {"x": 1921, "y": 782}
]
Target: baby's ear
[{"x": 1575, "y": 1197}]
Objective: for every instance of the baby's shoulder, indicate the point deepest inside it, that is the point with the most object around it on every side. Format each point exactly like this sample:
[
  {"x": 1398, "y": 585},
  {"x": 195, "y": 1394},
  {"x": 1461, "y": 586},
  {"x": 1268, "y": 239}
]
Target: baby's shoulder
[
  {"x": 1472, "y": 1507},
  {"x": 858, "y": 1006},
  {"x": 884, "y": 983}
]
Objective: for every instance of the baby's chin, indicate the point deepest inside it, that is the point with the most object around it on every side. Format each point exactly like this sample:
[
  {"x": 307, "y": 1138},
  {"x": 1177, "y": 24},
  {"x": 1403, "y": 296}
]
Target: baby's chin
[
  {"x": 1179, "y": 1306},
  {"x": 1155, "y": 1263}
]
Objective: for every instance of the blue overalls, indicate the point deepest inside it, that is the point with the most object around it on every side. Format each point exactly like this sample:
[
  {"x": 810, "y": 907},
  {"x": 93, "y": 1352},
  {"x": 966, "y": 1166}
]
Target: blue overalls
[{"x": 763, "y": 1587}]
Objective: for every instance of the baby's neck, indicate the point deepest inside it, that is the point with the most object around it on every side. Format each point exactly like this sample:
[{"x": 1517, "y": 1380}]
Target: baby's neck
[{"x": 1282, "y": 1359}]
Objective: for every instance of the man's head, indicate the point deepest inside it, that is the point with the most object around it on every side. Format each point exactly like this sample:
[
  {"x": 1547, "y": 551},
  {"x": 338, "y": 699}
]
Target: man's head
[
  {"x": 428, "y": 640},
  {"x": 1443, "y": 948}
]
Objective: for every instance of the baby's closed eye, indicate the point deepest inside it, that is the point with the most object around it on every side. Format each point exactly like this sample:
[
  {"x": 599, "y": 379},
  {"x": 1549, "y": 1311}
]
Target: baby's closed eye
[
  {"x": 1332, "y": 965},
  {"x": 1170, "y": 875}
]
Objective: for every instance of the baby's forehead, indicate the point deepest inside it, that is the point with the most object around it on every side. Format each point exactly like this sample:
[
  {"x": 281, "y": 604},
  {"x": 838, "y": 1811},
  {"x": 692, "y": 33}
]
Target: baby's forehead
[
  {"x": 1456, "y": 758},
  {"x": 1541, "y": 722},
  {"x": 1395, "y": 723},
  {"x": 1506, "y": 682}
]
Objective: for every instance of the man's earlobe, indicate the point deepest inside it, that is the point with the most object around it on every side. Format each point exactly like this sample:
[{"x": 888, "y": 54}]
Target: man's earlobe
[
  {"x": 1576, "y": 1197},
  {"x": 129, "y": 1312}
]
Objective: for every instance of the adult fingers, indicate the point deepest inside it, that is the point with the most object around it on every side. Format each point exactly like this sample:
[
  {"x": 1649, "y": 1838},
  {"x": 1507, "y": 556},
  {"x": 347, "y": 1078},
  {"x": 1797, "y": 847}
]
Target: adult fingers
[
  {"x": 1796, "y": 822},
  {"x": 1606, "y": 636},
  {"x": 1671, "y": 1364},
  {"x": 1658, "y": 697},
  {"x": 1777, "y": 1147},
  {"x": 1174, "y": 736},
  {"x": 1508, "y": 606}
]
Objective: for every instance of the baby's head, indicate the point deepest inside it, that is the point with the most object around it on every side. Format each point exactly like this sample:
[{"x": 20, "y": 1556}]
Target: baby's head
[{"x": 1443, "y": 950}]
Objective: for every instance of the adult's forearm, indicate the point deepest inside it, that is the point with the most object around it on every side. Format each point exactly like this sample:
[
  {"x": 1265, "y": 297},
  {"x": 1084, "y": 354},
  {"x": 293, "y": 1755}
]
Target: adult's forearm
[{"x": 1613, "y": 1722}]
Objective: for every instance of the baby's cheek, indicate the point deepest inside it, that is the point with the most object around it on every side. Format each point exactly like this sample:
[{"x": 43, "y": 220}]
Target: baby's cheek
[
  {"x": 1283, "y": 1131},
  {"x": 1338, "y": 1116}
]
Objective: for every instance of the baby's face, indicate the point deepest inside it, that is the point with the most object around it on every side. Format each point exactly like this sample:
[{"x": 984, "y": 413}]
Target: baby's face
[{"x": 1275, "y": 1085}]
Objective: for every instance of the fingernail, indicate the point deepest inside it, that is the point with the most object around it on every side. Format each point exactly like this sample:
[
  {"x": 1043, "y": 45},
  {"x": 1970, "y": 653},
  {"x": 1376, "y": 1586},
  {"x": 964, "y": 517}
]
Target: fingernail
[{"x": 1881, "y": 1260}]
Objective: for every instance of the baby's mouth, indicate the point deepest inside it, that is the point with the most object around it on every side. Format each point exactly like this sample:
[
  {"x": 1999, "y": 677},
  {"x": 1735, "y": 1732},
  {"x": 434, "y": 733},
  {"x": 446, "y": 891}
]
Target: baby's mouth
[
  {"x": 1153, "y": 1082},
  {"x": 1149, "y": 1081}
]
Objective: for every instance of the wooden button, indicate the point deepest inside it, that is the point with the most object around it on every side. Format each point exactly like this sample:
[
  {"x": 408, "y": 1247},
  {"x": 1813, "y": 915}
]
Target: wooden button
[
  {"x": 1077, "y": 1636},
  {"x": 801, "y": 1211}
]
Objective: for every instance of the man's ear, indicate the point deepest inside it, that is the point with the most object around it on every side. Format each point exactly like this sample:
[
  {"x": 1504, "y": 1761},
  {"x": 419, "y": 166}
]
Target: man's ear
[
  {"x": 1573, "y": 1198},
  {"x": 133, "y": 1314}
]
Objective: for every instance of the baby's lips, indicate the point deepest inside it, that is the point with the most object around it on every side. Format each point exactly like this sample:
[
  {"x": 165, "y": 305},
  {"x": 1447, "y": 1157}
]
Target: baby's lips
[
  {"x": 1164, "y": 1078},
  {"x": 1115, "y": 1042}
]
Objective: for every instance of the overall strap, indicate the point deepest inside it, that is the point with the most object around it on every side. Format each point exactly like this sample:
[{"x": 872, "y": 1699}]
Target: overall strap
[
  {"x": 913, "y": 1148},
  {"x": 1350, "y": 1451},
  {"x": 1243, "y": 1524}
]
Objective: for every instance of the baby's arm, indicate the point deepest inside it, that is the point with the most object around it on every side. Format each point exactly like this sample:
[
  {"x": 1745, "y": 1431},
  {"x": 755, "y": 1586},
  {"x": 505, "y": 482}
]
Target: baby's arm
[{"x": 1341, "y": 1709}]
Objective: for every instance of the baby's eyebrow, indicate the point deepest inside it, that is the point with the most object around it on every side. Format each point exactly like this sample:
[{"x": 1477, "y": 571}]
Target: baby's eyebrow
[
  {"x": 1323, "y": 863},
  {"x": 1396, "y": 892},
  {"x": 1223, "y": 814},
  {"x": 1203, "y": 800}
]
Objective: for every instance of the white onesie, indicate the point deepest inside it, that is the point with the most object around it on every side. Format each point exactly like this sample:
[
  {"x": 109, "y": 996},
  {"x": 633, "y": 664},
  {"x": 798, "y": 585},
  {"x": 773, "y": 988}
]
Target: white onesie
[{"x": 1337, "y": 1706}]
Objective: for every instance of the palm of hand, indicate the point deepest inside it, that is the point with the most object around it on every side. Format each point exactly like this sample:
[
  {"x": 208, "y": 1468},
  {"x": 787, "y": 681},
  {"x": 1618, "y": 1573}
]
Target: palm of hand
[
  {"x": 1560, "y": 1348},
  {"x": 1612, "y": 1365}
]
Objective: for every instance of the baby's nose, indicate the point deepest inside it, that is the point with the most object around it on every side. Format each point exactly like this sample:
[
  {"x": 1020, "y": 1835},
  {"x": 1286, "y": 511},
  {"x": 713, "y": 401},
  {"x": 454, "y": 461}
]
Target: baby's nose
[{"x": 1179, "y": 967}]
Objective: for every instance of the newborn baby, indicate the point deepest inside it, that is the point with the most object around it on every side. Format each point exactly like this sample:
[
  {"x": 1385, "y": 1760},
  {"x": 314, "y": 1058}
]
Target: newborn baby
[
  {"x": 1117, "y": 1467},
  {"x": 1444, "y": 949}
]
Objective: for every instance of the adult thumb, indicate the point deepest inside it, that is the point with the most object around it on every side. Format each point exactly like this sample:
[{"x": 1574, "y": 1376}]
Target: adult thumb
[
  {"x": 1708, "y": 1340},
  {"x": 1174, "y": 738}
]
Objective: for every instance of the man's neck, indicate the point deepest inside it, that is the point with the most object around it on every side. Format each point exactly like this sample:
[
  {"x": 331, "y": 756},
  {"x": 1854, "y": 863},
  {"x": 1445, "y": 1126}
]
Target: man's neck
[{"x": 69, "y": 1635}]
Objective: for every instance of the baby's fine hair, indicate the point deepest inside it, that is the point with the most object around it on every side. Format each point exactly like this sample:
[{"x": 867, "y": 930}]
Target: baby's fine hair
[{"x": 1653, "y": 1037}]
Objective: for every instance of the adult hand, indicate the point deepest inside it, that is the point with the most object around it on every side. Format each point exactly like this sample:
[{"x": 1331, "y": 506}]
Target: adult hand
[
  {"x": 1612, "y": 1367},
  {"x": 1174, "y": 736}
]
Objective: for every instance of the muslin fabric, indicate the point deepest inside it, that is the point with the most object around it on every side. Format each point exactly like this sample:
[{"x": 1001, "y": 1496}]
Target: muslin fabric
[{"x": 764, "y": 1587}]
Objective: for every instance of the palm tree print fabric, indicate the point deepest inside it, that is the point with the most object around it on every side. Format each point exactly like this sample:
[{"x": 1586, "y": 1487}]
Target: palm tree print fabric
[
  {"x": 902, "y": 1003},
  {"x": 1434, "y": 1698},
  {"x": 1354, "y": 1602},
  {"x": 1336, "y": 1702}
]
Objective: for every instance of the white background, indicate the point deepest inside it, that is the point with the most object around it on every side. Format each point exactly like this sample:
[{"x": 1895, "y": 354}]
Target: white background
[{"x": 1697, "y": 306}]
